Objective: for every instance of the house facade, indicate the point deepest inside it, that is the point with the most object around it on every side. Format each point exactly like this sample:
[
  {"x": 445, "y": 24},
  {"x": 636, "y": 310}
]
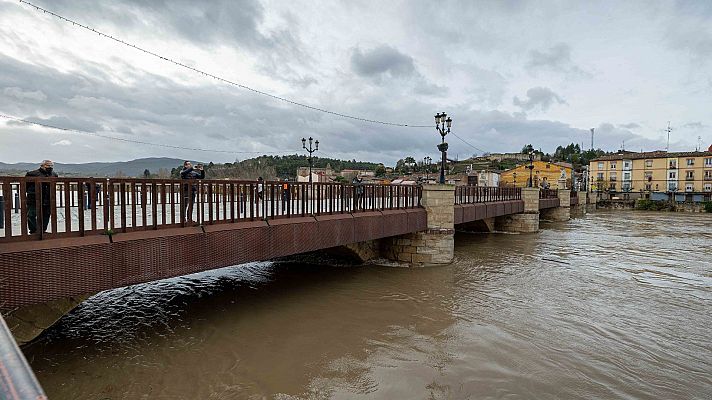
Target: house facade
[{"x": 659, "y": 171}]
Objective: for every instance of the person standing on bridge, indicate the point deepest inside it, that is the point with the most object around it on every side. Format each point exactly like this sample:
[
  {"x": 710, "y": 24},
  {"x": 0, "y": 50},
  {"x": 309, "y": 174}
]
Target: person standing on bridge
[
  {"x": 286, "y": 197},
  {"x": 359, "y": 190},
  {"x": 45, "y": 171},
  {"x": 189, "y": 190}
]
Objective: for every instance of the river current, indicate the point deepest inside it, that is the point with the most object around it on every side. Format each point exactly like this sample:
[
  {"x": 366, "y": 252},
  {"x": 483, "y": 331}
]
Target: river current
[{"x": 615, "y": 305}]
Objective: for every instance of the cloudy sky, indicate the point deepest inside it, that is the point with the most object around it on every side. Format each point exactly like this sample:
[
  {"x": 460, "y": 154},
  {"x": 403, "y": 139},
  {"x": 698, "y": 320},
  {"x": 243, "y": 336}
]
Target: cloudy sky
[{"x": 508, "y": 72}]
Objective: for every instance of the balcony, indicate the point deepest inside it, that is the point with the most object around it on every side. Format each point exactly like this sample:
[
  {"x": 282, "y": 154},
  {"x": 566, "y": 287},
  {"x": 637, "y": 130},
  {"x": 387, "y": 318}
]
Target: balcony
[
  {"x": 689, "y": 178},
  {"x": 672, "y": 166},
  {"x": 708, "y": 178},
  {"x": 612, "y": 179}
]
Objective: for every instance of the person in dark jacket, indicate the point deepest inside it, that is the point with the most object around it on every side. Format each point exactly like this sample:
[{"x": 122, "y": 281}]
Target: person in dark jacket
[
  {"x": 189, "y": 190},
  {"x": 45, "y": 171}
]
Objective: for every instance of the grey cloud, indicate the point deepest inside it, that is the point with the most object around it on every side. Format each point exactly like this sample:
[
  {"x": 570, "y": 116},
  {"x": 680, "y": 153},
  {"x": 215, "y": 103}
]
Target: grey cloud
[
  {"x": 381, "y": 60},
  {"x": 695, "y": 125},
  {"x": 556, "y": 59},
  {"x": 631, "y": 125},
  {"x": 20, "y": 94},
  {"x": 538, "y": 97}
]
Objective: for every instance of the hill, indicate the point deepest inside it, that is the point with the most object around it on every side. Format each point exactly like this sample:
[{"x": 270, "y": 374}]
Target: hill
[{"x": 133, "y": 168}]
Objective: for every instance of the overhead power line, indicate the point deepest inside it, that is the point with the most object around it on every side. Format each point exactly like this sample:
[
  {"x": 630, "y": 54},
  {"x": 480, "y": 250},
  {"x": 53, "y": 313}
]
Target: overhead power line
[
  {"x": 468, "y": 143},
  {"x": 224, "y": 80},
  {"x": 169, "y": 146}
]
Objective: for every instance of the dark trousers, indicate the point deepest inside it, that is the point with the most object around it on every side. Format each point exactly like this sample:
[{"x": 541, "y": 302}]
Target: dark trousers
[
  {"x": 188, "y": 201},
  {"x": 32, "y": 216}
]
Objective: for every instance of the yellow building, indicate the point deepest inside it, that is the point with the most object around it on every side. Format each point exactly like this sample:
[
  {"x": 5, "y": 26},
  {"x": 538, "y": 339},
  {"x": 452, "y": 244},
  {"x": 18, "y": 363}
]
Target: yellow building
[
  {"x": 544, "y": 173},
  {"x": 657, "y": 171}
]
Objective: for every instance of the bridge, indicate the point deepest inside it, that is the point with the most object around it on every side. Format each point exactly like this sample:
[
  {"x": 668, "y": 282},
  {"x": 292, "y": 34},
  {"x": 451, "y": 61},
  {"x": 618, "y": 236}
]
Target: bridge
[{"x": 110, "y": 233}]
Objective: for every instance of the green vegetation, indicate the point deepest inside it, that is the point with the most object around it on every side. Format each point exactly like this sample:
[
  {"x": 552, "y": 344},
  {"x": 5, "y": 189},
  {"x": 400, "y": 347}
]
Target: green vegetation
[
  {"x": 708, "y": 206},
  {"x": 652, "y": 205},
  {"x": 275, "y": 167}
]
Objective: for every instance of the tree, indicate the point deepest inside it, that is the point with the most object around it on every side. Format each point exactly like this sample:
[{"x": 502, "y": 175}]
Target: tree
[
  {"x": 146, "y": 173},
  {"x": 380, "y": 170}
]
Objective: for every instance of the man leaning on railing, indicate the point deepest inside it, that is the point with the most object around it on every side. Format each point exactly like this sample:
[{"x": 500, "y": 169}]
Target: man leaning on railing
[{"x": 44, "y": 171}]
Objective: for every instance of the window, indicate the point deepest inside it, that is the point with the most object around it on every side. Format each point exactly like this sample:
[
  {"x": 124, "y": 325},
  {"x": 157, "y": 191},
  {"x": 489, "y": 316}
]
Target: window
[
  {"x": 626, "y": 186},
  {"x": 612, "y": 187},
  {"x": 690, "y": 175},
  {"x": 708, "y": 187},
  {"x": 613, "y": 165},
  {"x": 648, "y": 176},
  {"x": 613, "y": 177},
  {"x": 672, "y": 164},
  {"x": 648, "y": 187},
  {"x": 626, "y": 176},
  {"x": 672, "y": 186},
  {"x": 672, "y": 175},
  {"x": 708, "y": 175},
  {"x": 689, "y": 187},
  {"x": 626, "y": 164},
  {"x": 690, "y": 162},
  {"x": 708, "y": 162},
  {"x": 600, "y": 164},
  {"x": 648, "y": 163},
  {"x": 599, "y": 176}
]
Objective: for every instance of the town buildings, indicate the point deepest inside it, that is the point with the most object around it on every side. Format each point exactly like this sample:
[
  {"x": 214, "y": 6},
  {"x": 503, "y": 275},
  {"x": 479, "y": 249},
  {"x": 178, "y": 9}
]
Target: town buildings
[
  {"x": 649, "y": 172},
  {"x": 544, "y": 174}
]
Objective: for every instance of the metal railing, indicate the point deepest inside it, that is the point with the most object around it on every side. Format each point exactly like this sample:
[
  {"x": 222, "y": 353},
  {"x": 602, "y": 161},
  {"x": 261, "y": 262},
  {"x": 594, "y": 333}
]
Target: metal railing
[
  {"x": 85, "y": 206},
  {"x": 17, "y": 381},
  {"x": 484, "y": 194},
  {"x": 548, "y": 193}
]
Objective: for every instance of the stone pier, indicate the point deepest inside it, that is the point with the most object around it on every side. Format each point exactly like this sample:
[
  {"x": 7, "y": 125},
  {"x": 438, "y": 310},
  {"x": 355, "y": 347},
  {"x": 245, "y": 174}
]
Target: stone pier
[
  {"x": 436, "y": 245},
  {"x": 526, "y": 222},
  {"x": 563, "y": 211},
  {"x": 579, "y": 210}
]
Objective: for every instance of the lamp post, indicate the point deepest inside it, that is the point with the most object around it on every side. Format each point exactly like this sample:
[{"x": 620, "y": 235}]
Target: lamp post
[
  {"x": 514, "y": 175},
  {"x": 442, "y": 125},
  {"x": 310, "y": 150},
  {"x": 531, "y": 169},
  {"x": 427, "y": 161}
]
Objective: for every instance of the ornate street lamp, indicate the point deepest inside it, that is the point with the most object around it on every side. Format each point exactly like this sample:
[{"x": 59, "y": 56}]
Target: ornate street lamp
[
  {"x": 427, "y": 162},
  {"x": 442, "y": 125},
  {"x": 310, "y": 150},
  {"x": 531, "y": 169}
]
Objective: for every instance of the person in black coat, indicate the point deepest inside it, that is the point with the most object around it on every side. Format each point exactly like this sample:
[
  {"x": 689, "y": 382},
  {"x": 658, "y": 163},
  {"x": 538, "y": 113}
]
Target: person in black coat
[
  {"x": 45, "y": 171},
  {"x": 189, "y": 190}
]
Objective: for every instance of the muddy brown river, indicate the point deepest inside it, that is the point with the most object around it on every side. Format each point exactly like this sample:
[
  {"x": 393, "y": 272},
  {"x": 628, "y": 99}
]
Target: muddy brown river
[{"x": 616, "y": 305}]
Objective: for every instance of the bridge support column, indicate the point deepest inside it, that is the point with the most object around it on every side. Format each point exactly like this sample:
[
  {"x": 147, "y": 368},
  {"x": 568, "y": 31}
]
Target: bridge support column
[
  {"x": 579, "y": 209},
  {"x": 526, "y": 222},
  {"x": 591, "y": 200},
  {"x": 563, "y": 211},
  {"x": 436, "y": 245},
  {"x": 26, "y": 323}
]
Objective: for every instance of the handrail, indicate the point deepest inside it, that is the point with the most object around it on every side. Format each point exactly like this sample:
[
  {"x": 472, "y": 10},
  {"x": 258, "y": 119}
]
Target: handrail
[
  {"x": 91, "y": 206},
  {"x": 548, "y": 193},
  {"x": 17, "y": 381},
  {"x": 483, "y": 194}
]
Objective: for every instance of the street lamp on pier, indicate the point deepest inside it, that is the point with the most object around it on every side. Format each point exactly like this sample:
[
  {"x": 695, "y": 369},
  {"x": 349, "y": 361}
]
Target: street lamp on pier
[
  {"x": 442, "y": 125},
  {"x": 531, "y": 169},
  {"x": 310, "y": 150},
  {"x": 427, "y": 161}
]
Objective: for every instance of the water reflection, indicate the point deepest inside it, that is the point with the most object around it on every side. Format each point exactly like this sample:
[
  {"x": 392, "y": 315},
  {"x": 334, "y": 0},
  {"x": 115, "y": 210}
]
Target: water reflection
[{"x": 614, "y": 305}]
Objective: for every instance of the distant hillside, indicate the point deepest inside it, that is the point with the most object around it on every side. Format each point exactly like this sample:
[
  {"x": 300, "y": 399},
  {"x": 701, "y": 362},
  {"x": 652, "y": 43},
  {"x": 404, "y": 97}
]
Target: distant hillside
[{"x": 133, "y": 168}]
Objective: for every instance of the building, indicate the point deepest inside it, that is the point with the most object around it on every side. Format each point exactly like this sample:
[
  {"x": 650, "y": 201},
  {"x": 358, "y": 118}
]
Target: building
[
  {"x": 318, "y": 174},
  {"x": 544, "y": 174},
  {"x": 657, "y": 171},
  {"x": 510, "y": 156},
  {"x": 484, "y": 178}
]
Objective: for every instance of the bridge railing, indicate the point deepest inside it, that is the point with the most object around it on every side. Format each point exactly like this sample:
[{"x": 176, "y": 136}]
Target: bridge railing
[
  {"x": 548, "y": 193},
  {"x": 484, "y": 194},
  {"x": 89, "y": 206}
]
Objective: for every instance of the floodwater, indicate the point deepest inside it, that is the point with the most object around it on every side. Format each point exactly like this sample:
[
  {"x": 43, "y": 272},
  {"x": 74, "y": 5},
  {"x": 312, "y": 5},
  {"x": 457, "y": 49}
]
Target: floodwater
[{"x": 616, "y": 305}]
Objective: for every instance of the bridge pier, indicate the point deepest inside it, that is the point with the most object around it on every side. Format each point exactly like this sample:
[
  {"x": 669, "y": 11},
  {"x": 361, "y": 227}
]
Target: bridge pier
[
  {"x": 526, "y": 222},
  {"x": 579, "y": 209},
  {"x": 28, "y": 322},
  {"x": 435, "y": 245},
  {"x": 563, "y": 211}
]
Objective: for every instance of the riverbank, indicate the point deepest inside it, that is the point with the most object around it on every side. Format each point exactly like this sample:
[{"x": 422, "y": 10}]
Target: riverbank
[{"x": 654, "y": 205}]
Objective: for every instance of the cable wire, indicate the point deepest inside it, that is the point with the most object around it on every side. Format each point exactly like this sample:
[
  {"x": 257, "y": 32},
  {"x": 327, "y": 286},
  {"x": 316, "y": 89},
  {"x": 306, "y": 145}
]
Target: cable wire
[
  {"x": 468, "y": 143},
  {"x": 224, "y": 80},
  {"x": 9, "y": 117}
]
